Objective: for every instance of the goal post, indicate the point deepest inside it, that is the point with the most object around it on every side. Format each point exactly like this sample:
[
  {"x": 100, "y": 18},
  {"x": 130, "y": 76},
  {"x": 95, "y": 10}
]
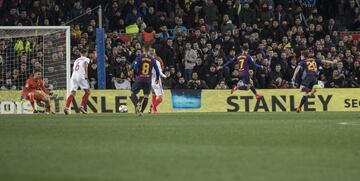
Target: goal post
[{"x": 26, "y": 48}]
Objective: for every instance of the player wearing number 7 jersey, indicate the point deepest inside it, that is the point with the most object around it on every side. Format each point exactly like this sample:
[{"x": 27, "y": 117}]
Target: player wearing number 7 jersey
[
  {"x": 143, "y": 66},
  {"x": 245, "y": 83},
  {"x": 310, "y": 66},
  {"x": 79, "y": 78}
]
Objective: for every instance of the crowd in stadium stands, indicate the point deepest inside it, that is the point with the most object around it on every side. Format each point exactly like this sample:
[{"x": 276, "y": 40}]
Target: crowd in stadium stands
[{"x": 195, "y": 38}]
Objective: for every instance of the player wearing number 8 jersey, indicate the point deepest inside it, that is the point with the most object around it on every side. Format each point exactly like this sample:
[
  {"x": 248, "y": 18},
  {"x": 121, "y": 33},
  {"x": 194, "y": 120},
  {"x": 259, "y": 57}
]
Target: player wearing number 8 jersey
[
  {"x": 245, "y": 83},
  {"x": 310, "y": 66},
  {"x": 79, "y": 78},
  {"x": 143, "y": 66}
]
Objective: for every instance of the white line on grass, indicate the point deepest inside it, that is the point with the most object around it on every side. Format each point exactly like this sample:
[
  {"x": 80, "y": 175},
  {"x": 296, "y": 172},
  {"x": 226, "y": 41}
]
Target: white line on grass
[{"x": 350, "y": 123}]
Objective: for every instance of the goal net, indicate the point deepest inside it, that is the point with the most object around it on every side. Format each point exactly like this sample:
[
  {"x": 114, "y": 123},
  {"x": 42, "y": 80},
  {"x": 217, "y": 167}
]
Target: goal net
[{"x": 25, "y": 49}]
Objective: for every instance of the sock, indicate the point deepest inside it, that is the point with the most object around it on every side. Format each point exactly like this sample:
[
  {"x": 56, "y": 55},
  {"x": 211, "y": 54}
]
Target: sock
[
  {"x": 158, "y": 101},
  {"x": 303, "y": 99},
  {"x": 69, "y": 100},
  {"x": 153, "y": 100},
  {"x": 32, "y": 105},
  {"x": 144, "y": 104},
  {"x": 31, "y": 99},
  {"x": 134, "y": 99},
  {"x": 252, "y": 88},
  {"x": 305, "y": 89},
  {"x": 47, "y": 105},
  {"x": 85, "y": 99}
]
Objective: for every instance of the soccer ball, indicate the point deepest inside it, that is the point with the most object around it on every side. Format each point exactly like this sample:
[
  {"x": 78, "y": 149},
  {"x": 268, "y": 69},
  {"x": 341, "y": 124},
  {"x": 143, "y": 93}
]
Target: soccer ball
[{"x": 123, "y": 108}]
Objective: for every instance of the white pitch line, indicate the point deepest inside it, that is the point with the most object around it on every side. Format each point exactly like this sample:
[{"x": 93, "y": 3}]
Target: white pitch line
[{"x": 350, "y": 123}]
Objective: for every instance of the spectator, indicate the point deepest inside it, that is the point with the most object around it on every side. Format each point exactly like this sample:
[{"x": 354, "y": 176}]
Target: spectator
[
  {"x": 211, "y": 12},
  {"x": 48, "y": 86},
  {"x": 356, "y": 24},
  {"x": 11, "y": 18},
  {"x": 277, "y": 80},
  {"x": 122, "y": 83},
  {"x": 75, "y": 12},
  {"x": 190, "y": 56},
  {"x": 337, "y": 80},
  {"x": 221, "y": 85},
  {"x": 93, "y": 75},
  {"x": 226, "y": 24},
  {"x": 282, "y": 61},
  {"x": 265, "y": 13},
  {"x": 8, "y": 85},
  {"x": 271, "y": 36},
  {"x": 196, "y": 83},
  {"x": 356, "y": 73},
  {"x": 234, "y": 78},
  {"x": 247, "y": 15},
  {"x": 179, "y": 28},
  {"x": 57, "y": 15},
  {"x": 200, "y": 68},
  {"x": 212, "y": 77},
  {"x": 168, "y": 82},
  {"x": 151, "y": 19},
  {"x": 129, "y": 6},
  {"x": 181, "y": 84},
  {"x": 132, "y": 17},
  {"x": 24, "y": 20}
]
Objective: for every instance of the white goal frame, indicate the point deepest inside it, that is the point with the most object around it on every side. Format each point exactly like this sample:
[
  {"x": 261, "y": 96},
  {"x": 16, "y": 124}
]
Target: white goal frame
[{"x": 68, "y": 44}]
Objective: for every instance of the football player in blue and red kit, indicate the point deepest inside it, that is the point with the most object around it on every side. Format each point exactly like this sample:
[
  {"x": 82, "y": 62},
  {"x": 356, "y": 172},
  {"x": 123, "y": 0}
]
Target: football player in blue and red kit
[
  {"x": 143, "y": 66},
  {"x": 245, "y": 83},
  {"x": 311, "y": 65}
]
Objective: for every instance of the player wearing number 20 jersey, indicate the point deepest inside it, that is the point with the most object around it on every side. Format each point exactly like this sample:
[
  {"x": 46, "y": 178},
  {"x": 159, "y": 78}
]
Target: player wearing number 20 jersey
[
  {"x": 79, "y": 78},
  {"x": 310, "y": 66},
  {"x": 143, "y": 66}
]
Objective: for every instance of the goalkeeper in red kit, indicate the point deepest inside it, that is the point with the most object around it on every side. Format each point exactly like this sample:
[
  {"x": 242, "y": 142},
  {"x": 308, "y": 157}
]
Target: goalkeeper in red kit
[{"x": 30, "y": 93}]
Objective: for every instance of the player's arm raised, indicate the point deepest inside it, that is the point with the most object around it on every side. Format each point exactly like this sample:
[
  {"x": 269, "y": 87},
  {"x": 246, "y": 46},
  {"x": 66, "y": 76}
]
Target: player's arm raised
[
  {"x": 251, "y": 61},
  {"x": 335, "y": 60},
  {"x": 230, "y": 63}
]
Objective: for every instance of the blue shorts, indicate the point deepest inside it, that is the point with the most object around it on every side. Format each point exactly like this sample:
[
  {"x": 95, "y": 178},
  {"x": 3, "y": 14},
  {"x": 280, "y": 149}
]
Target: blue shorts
[
  {"x": 137, "y": 86},
  {"x": 309, "y": 81},
  {"x": 243, "y": 81}
]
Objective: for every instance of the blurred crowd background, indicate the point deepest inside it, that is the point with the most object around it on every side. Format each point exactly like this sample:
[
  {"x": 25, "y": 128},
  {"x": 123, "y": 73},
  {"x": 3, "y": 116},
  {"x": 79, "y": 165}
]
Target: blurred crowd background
[{"x": 193, "y": 38}]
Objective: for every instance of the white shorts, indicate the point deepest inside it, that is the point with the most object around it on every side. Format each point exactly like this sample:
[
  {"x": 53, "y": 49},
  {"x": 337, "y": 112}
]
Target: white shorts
[
  {"x": 157, "y": 89},
  {"x": 76, "y": 83}
]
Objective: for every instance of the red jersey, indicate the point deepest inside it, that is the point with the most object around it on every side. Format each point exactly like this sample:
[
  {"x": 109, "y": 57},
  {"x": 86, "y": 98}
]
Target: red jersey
[{"x": 33, "y": 85}]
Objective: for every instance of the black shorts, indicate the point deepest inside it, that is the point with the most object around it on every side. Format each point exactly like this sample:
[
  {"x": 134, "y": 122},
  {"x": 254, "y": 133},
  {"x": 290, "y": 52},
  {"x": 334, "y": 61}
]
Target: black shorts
[
  {"x": 309, "y": 81},
  {"x": 137, "y": 86}
]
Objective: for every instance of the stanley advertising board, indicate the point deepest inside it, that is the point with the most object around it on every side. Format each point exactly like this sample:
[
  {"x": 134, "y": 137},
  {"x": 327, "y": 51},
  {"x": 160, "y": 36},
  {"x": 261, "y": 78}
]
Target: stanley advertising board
[{"x": 274, "y": 100}]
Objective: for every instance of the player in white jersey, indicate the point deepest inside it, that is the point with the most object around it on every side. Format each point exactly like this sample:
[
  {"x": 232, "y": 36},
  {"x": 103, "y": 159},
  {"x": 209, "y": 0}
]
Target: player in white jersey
[
  {"x": 79, "y": 78},
  {"x": 157, "y": 90}
]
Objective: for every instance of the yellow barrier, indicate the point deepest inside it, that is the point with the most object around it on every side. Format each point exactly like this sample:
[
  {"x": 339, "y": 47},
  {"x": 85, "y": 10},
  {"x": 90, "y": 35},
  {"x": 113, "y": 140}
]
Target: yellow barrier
[{"x": 275, "y": 100}]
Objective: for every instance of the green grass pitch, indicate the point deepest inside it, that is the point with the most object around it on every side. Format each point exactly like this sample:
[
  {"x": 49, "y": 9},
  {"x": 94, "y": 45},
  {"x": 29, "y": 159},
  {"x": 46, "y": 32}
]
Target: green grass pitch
[{"x": 181, "y": 147}]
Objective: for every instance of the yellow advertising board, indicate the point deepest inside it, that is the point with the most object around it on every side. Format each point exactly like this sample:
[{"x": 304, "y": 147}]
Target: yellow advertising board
[{"x": 275, "y": 100}]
